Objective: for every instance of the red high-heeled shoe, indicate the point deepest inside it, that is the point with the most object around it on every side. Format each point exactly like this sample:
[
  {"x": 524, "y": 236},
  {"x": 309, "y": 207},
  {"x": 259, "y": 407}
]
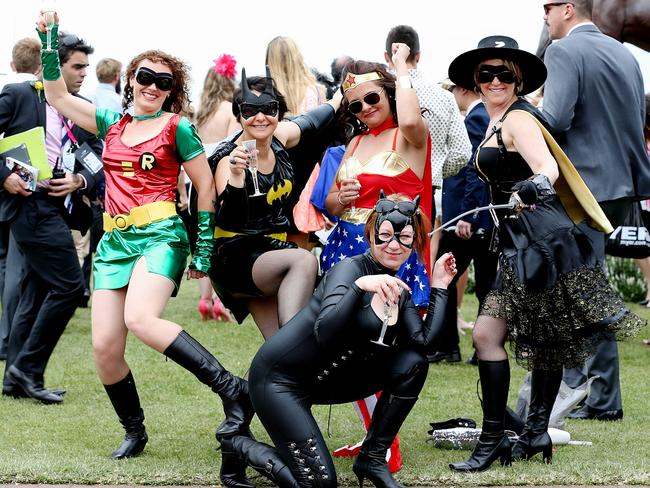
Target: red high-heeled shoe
[
  {"x": 206, "y": 308},
  {"x": 220, "y": 312}
]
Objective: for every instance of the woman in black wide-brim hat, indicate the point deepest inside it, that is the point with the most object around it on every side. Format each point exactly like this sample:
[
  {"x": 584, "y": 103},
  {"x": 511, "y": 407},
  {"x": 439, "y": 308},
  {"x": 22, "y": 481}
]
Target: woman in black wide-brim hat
[{"x": 551, "y": 296}]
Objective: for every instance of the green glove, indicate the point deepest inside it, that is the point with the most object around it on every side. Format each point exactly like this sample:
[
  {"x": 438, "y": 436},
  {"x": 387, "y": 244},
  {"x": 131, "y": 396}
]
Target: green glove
[
  {"x": 50, "y": 59},
  {"x": 204, "y": 242}
]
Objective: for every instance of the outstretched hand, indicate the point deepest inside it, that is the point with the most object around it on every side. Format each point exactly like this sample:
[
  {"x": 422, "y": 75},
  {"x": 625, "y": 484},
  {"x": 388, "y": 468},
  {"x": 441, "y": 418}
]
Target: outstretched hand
[
  {"x": 444, "y": 271},
  {"x": 388, "y": 288}
]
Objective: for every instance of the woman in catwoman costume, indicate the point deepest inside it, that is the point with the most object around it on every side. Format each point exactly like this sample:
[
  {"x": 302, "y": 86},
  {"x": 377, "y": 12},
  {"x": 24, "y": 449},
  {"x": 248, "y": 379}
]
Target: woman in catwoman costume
[{"x": 331, "y": 352}]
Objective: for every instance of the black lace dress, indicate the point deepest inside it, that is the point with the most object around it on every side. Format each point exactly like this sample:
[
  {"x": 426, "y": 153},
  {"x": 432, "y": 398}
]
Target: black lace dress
[{"x": 551, "y": 289}]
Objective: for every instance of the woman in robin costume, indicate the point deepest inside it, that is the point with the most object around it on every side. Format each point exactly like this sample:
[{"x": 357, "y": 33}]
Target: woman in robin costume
[
  {"x": 359, "y": 333},
  {"x": 254, "y": 268},
  {"x": 142, "y": 256}
]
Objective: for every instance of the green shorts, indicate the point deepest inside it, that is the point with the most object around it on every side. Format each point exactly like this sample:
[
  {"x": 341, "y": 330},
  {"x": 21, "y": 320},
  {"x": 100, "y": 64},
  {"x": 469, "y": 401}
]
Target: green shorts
[{"x": 163, "y": 244}]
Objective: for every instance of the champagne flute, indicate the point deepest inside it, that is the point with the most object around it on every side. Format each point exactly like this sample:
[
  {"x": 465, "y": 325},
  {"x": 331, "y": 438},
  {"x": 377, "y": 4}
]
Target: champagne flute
[
  {"x": 48, "y": 16},
  {"x": 251, "y": 147},
  {"x": 350, "y": 173},
  {"x": 384, "y": 326}
]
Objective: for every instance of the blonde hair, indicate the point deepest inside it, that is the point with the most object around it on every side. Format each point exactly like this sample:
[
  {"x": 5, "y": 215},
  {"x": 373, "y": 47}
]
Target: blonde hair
[
  {"x": 106, "y": 69},
  {"x": 292, "y": 76},
  {"x": 26, "y": 55},
  {"x": 216, "y": 89}
]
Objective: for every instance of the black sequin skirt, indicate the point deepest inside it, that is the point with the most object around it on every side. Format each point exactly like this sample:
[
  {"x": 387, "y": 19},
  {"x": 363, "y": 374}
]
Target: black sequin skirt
[{"x": 552, "y": 292}]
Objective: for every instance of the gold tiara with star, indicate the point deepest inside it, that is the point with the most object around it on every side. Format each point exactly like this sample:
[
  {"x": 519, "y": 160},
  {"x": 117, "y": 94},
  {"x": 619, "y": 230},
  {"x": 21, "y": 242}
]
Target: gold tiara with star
[{"x": 351, "y": 80}]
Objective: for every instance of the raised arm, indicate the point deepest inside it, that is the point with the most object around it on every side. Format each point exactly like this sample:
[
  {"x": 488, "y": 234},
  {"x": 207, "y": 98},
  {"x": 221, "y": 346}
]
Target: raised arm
[
  {"x": 80, "y": 111},
  {"x": 312, "y": 122},
  {"x": 411, "y": 123}
]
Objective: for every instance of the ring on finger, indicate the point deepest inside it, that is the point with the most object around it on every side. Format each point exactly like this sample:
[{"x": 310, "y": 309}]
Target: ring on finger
[{"x": 231, "y": 160}]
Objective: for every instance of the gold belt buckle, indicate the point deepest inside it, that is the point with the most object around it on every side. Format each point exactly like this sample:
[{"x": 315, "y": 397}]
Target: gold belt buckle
[{"x": 121, "y": 221}]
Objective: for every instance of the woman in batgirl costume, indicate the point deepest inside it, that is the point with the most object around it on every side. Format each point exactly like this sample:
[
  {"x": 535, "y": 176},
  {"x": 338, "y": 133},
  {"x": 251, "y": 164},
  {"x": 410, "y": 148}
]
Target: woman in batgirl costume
[
  {"x": 142, "y": 256},
  {"x": 359, "y": 333},
  {"x": 254, "y": 268}
]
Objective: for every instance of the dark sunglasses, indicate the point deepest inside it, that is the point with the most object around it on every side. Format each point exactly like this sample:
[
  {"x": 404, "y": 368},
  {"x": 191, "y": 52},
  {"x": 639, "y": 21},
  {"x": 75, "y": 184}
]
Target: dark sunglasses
[
  {"x": 146, "y": 77},
  {"x": 501, "y": 73},
  {"x": 249, "y": 110},
  {"x": 371, "y": 98},
  {"x": 70, "y": 40},
  {"x": 548, "y": 6}
]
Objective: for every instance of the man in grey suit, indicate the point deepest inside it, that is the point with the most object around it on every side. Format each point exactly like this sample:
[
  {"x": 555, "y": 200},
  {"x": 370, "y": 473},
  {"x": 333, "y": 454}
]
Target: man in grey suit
[{"x": 594, "y": 103}]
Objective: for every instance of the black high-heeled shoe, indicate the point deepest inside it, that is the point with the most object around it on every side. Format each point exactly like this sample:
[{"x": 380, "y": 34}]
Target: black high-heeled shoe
[
  {"x": 544, "y": 386},
  {"x": 374, "y": 469},
  {"x": 530, "y": 444},
  {"x": 489, "y": 449}
]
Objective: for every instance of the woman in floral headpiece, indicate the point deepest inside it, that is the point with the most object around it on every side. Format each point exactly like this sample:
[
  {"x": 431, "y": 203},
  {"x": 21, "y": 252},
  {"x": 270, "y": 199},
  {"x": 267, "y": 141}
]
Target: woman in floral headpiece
[{"x": 215, "y": 121}]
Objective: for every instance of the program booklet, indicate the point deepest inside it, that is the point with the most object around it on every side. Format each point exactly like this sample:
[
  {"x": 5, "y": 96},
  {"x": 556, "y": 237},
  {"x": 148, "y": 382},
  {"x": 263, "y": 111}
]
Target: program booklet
[{"x": 27, "y": 173}]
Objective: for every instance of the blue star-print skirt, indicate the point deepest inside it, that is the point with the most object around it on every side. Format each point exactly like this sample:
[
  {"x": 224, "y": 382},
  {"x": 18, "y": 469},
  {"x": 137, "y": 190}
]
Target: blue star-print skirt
[{"x": 346, "y": 239}]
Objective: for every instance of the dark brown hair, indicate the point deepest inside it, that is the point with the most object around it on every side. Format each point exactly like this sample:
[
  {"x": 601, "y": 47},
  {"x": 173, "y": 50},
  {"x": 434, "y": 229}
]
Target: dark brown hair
[
  {"x": 179, "y": 96},
  {"x": 348, "y": 123}
]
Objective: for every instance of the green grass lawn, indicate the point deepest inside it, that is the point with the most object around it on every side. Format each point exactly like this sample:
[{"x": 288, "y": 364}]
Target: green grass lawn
[{"x": 72, "y": 442}]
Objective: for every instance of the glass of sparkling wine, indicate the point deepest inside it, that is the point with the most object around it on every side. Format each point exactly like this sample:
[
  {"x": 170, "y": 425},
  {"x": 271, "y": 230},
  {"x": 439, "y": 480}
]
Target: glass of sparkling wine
[
  {"x": 349, "y": 174},
  {"x": 48, "y": 15},
  {"x": 384, "y": 326},
  {"x": 251, "y": 147}
]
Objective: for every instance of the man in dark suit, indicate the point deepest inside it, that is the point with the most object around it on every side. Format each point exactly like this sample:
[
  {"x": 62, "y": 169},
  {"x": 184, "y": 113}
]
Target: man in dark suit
[
  {"x": 469, "y": 239},
  {"x": 594, "y": 103},
  {"x": 53, "y": 283}
]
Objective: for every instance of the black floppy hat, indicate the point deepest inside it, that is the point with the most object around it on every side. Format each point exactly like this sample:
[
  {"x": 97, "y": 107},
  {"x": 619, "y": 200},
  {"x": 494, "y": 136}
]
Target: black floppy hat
[{"x": 461, "y": 69}]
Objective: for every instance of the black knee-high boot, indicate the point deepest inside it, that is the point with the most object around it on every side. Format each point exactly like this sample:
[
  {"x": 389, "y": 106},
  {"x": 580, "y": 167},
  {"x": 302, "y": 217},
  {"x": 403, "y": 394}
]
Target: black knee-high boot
[
  {"x": 493, "y": 443},
  {"x": 262, "y": 458},
  {"x": 390, "y": 413},
  {"x": 126, "y": 402},
  {"x": 237, "y": 407},
  {"x": 544, "y": 386}
]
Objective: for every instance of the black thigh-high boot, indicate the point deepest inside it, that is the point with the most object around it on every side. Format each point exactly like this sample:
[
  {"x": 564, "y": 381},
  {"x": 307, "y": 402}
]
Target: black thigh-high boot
[
  {"x": 544, "y": 386},
  {"x": 262, "y": 458},
  {"x": 493, "y": 443},
  {"x": 126, "y": 402},
  {"x": 237, "y": 407},
  {"x": 389, "y": 415}
]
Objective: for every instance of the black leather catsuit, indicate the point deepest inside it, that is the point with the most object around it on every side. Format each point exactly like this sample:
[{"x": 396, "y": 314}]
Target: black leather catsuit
[{"x": 324, "y": 355}]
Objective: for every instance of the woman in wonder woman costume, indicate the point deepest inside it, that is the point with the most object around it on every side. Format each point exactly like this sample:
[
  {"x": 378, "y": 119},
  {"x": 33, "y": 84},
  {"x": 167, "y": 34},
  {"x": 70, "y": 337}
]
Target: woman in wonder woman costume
[
  {"x": 359, "y": 333},
  {"x": 254, "y": 269},
  {"x": 142, "y": 256},
  {"x": 390, "y": 151}
]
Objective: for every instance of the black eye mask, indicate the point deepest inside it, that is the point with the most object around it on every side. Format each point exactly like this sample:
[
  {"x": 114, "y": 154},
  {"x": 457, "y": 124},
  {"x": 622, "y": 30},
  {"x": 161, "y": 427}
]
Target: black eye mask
[{"x": 399, "y": 214}]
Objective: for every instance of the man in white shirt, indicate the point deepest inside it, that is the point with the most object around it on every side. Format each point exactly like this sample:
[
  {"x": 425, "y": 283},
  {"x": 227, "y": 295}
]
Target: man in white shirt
[{"x": 107, "y": 93}]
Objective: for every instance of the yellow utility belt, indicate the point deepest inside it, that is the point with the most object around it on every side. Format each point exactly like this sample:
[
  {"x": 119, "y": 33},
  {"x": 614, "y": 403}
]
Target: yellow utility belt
[
  {"x": 140, "y": 216},
  {"x": 219, "y": 232}
]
